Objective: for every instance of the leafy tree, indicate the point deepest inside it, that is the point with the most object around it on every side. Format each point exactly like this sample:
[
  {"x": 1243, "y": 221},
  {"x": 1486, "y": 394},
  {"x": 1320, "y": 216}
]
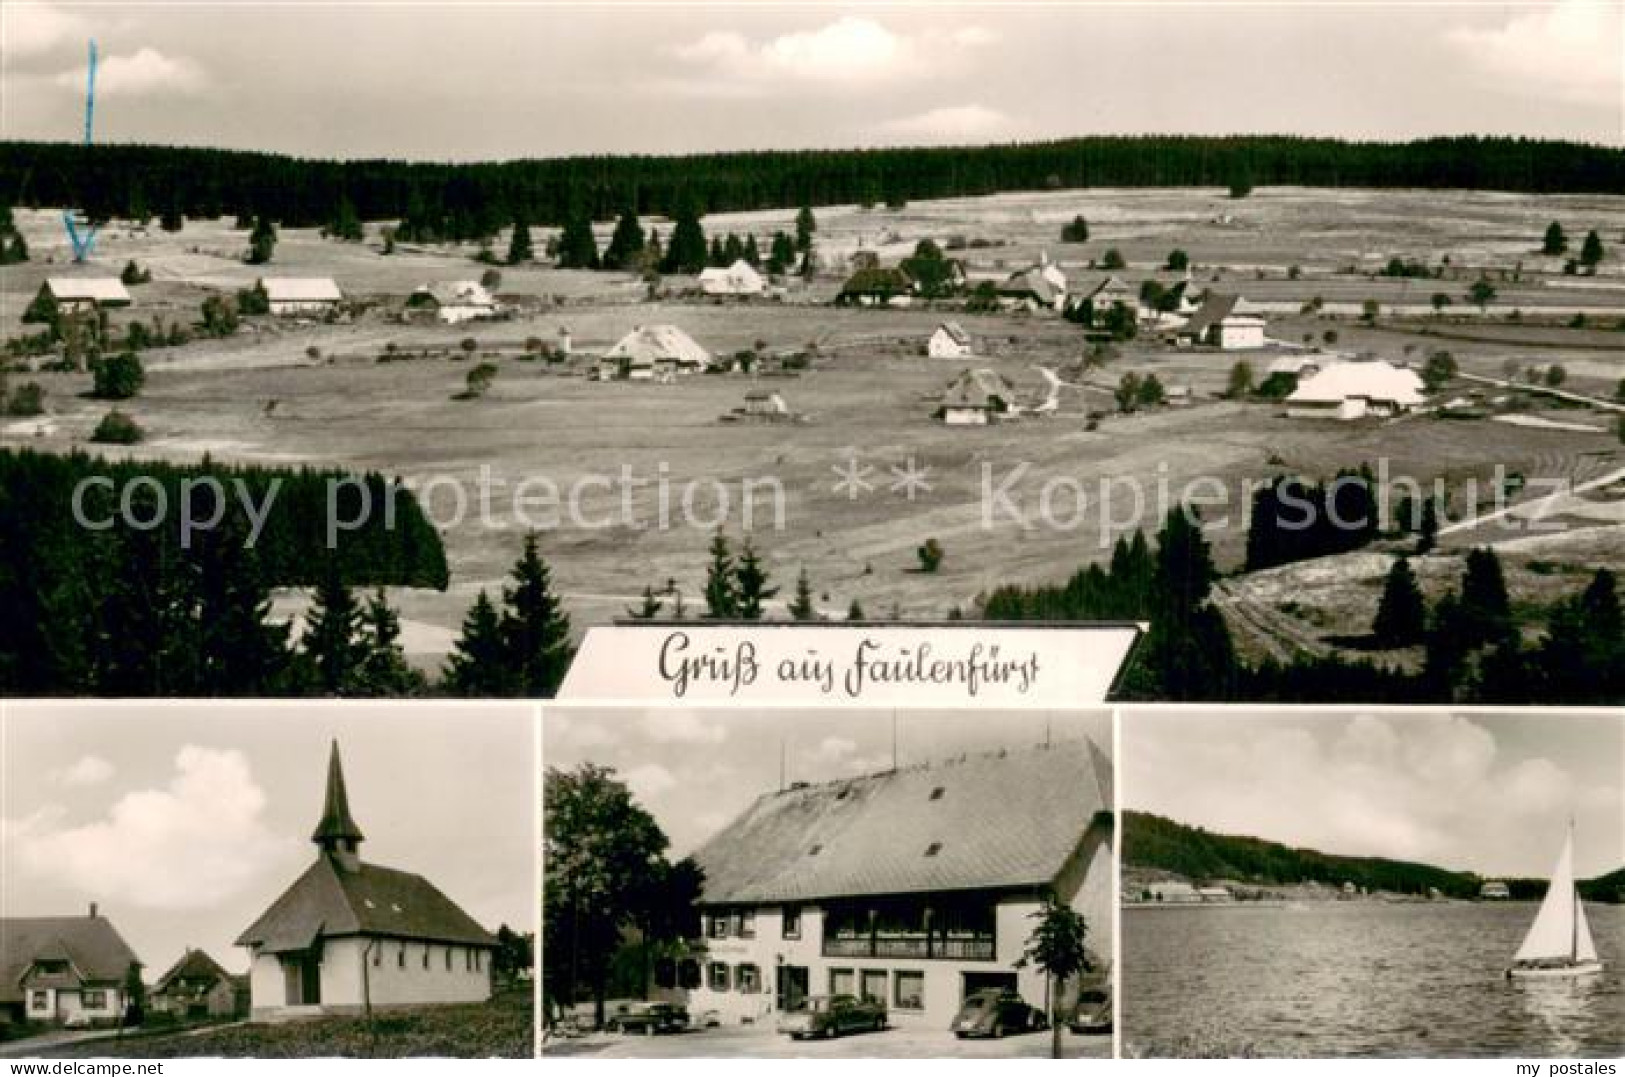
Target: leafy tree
[
  {"x": 721, "y": 581},
  {"x": 25, "y": 401},
  {"x": 1241, "y": 185},
  {"x": 1369, "y": 311},
  {"x": 1439, "y": 369},
  {"x": 171, "y": 219},
  {"x": 1178, "y": 261},
  {"x": 478, "y": 380},
  {"x": 535, "y": 629},
  {"x": 520, "y": 249},
  {"x": 117, "y": 377},
  {"x": 1151, "y": 393},
  {"x": 1440, "y": 301},
  {"x": 261, "y": 241},
  {"x": 219, "y": 316},
  {"x": 577, "y": 247},
  {"x": 626, "y": 243},
  {"x": 1075, "y": 231},
  {"x": 477, "y": 666},
  {"x": 1591, "y": 250},
  {"x": 1112, "y": 259},
  {"x": 117, "y": 428},
  {"x": 603, "y": 855},
  {"x": 806, "y": 227},
  {"x": 650, "y": 607},
  {"x": 1401, "y": 619},
  {"x": 1556, "y": 375},
  {"x": 931, "y": 272},
  {"x": 133, "y": 274},
  {"x": 255, "y": 300},
  {"x": 1058, "y": 948},
  {"x": 750, "y": 583},
  {"x": 1555, "y": 241},
  {"x": 1481, "y": 294},
  {"x": 930, "y": 555},
  {"x": 14, "y": 251},
  {"x": 802, "y": 607},
  {"x": 1127, "y": 393}
]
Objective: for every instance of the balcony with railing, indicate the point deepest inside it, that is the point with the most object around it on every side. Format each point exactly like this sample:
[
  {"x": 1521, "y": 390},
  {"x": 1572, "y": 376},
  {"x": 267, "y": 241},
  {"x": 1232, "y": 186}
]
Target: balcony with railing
[{"x": 913, "y": 947}]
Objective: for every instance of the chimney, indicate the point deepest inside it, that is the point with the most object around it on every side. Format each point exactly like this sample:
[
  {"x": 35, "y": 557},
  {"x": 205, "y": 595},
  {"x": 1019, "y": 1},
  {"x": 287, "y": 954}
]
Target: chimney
[{"x": 93, "y": 910}]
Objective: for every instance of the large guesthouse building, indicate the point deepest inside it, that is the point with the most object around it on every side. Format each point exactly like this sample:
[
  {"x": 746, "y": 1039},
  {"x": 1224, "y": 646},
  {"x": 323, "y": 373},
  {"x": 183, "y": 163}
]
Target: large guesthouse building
[
  {"x": 348, "y": 935},
  {"x": 916, "y": 886}
]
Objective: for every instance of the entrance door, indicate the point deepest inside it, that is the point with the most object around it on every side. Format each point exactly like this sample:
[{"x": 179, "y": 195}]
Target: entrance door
[
  {"x": 794, "y": 985},
  {"x": 302, "y": 979}
]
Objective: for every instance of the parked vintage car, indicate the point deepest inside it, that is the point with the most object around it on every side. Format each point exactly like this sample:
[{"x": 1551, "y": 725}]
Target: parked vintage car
[
  {"x": 649, "y": 1018},
  {"x": 832, "y": 1015},
  {"x": 994, "y": 1012},
  {"x": 1093, "y": 1012}
]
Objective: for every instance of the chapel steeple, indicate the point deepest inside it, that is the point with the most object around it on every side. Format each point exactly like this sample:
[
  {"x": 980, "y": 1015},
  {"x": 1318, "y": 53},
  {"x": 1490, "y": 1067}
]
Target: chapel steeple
[{"x": 337, "y": 834}]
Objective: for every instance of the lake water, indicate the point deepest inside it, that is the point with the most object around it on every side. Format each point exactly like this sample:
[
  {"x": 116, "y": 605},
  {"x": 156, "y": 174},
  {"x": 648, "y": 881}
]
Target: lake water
[{"x": 1337, "y": 979}]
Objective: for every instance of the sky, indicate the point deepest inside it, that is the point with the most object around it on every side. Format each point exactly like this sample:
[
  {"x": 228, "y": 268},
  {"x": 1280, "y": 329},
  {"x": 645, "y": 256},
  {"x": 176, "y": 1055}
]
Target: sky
[
  {"x": 696, "y": 770},
  {"x": 1489, "y": 793},
  {"x": 462, "y": 79},
  {"x": 184, "y": 821}
]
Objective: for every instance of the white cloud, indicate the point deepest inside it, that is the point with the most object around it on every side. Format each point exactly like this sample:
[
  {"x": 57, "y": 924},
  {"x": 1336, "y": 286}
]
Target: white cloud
[
  {"x": 89, "y": 770},
  {"x": 584, "y": 731},
  {"x": 852, "y": 49},
  {"x": 190, "y": 845},
  {"x": 147, "y": 71},
  {"x": 648, "y": 781},
  {"x": 682, "y": 727},
  {"x": 29, "y": 29},
  {"x": 953, "y": 123},
  {"x": 836, "y": 747},
  {"x": 1570, "y": 50}
]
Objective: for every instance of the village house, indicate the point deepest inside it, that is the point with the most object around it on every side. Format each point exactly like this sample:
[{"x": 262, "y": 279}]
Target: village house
[
  {"x": 977, "y": 398},
  {"x": 1030, "y": 290},
  {"x": 454, "y": 301},
  {"x": 915, "y": 886},
  {"x": 1494, "y": 891},
  {"x": 653, "y": 351},
  {"x": 950, "y": 341},
  {"x": 348, "y": 936},
  {"x": 64, "y": 970},
  {"x": 1356, "y": 390},
  {"x": 739, "y": 279},
  {"x": 1099, "y": 297},
  {"x": 767, "y": 404},
  {"x": 301, "y": 295},
  {"x": 877, "y": 287},
  {"x": 82, "y": 295},
  {"x": 197, "y": 986},
  {"x": 1227, "y": 322}
]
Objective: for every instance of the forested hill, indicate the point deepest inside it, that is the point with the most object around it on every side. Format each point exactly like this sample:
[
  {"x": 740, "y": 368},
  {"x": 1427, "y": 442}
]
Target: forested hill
[
  {"x": 131, "y": 180},
  {"x": 1151, "y": 841}
]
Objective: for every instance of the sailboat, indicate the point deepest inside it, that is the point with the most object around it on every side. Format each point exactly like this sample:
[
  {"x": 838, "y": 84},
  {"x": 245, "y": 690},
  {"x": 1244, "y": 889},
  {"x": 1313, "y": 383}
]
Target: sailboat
[{"x": 1559, "y": 941}]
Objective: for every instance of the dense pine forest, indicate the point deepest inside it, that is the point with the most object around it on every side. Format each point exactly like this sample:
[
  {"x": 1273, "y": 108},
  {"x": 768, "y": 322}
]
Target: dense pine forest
[
  {"x": 1151, "y": 841},
  {"x": 474, "y": 200}
]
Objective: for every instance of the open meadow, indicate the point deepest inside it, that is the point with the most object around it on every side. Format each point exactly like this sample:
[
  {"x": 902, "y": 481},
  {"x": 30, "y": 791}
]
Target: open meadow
[{"x": 627, "y": 480}]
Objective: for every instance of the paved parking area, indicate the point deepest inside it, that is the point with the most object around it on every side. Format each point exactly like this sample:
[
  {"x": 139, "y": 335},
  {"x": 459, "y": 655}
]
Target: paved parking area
[{"x": 746, "y": 1041}]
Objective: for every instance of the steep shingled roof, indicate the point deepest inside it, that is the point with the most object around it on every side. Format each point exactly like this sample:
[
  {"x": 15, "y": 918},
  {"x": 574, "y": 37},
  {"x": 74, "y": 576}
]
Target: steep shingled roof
[
  {"x": 193, "y": 965},
  {"x": 992, "y": 821},
  {"x": 328, "y": 902},
  {"x": 95, "y": 951},
  {"x": 649, "y": 344},
  {"x": 1373, "y": 380},
  {"x": 979, "y": 388}
]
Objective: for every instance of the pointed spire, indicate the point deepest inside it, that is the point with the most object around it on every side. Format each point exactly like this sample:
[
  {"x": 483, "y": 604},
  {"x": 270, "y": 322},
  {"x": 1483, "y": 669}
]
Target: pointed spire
[{"x": 336, "y": 831}]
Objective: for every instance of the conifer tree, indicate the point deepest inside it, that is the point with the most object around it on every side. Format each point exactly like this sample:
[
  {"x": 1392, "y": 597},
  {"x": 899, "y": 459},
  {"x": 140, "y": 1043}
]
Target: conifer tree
[
  {"x": 721, "y": 581},
  {"x": 806, "y": 226},
  {"x": 331, "y": 646},
  {"x": 1401, "y": 619},
  {"x": 1485, "y": 605},
  {"x": 520, "y": 250},
  {"x": 1555, "y": 241},
  {"x": 751, "y": 254},
  {"x": 577, "y": 247},
  {"x": 535, "y": 628},
  {"x": 802, "y": 607},
  {"x": 383, "y": 669},
  {"x": 478, "y": 664},
  {"x": 1591, "y": 250},
  {"x": 751, "y": 583},
  {"x": 345, "y": 225},
  {"x": 626, "y": 243},
  {"x": 261, "y": 241},
  {"x": 687, "y": 251},
  {"x": 242, "y": 651}
]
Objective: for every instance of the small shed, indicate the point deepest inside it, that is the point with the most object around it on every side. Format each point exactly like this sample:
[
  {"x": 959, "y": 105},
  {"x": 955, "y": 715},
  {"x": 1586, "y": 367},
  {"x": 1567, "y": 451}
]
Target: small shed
[
  {"x": 739, "y": 279},
  {"x": 454, "y": 301},
  {"x": 950, "y": 341},
  {"x": 77, "y": 295},
  {"x": 977, "y": 398}
]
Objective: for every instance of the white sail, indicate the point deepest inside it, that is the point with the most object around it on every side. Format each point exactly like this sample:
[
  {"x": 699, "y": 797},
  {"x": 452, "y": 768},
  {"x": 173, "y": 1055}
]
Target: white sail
[
  {"x": 1555, "y": 932},
  {"x": 1584, "y": 948}
]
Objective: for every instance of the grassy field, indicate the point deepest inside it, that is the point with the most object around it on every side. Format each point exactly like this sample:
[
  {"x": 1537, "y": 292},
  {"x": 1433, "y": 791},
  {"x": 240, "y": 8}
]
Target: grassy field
[
  {"x": 502, "y": 1028},
  {"x": 618, "y": 453}
]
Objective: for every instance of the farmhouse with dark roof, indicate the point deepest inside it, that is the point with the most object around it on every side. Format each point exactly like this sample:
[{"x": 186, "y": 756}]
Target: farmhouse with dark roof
[
  {"x": 63, "y": 969},
  {"x": 347, "y": 935},
  {"x": 916, "y": 886}
]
